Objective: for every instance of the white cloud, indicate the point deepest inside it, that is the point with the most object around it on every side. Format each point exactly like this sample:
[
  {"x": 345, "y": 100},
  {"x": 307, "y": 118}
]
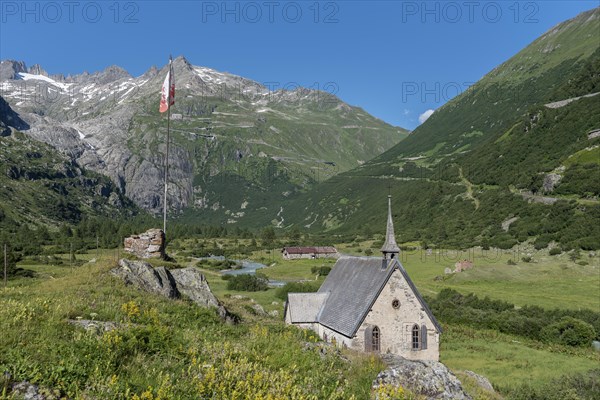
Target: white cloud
[
  {"x": 425, "y": 116},
  {"x": 406, "y": 111}
]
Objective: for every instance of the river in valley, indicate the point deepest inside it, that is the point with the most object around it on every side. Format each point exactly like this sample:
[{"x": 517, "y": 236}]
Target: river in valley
[{"x": 248, "y": 267}]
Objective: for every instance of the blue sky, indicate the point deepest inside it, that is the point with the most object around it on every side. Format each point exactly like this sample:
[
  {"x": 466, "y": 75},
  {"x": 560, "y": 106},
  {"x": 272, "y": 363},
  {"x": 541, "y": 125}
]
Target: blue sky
[{"x": 396, "y": 59}]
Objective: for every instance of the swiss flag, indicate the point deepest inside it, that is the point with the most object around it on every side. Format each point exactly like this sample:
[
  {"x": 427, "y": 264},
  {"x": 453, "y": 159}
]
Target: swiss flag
[{"x": 167, "y": 94}]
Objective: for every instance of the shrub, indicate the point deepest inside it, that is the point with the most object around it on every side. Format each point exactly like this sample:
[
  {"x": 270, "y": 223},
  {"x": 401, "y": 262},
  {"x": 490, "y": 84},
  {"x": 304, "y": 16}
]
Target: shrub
[
  {"x": 541, "y": 242},
  {"x": 579, "y": 386},
  {"x": 217, "y": 265},
  {"x": 569, "y": 331},
  {"x": 12, "y": 259},
  {"x": 554, "y": 251},
  {"x": 247, "y": 283},
  {"x": 575, "y": 255},
  {"x": 321, "y": 271},
  {"x": 296, "y": 287},
  {"x": 526, "y": 259},
  {"x": 511, "y": 262},
  {"x": 453, "y": 307}
]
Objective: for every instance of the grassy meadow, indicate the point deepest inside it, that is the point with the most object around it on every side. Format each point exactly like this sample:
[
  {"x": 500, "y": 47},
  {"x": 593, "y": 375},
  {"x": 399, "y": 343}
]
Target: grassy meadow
[
  {"x": 545, "y": 281},
  {"x": 163, "y": 349},
  {"x": 172, "y": 349}
]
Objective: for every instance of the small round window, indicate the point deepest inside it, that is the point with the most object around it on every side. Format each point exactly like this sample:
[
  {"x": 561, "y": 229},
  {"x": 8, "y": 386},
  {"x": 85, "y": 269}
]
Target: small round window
[{"x": 396, "y": 303}]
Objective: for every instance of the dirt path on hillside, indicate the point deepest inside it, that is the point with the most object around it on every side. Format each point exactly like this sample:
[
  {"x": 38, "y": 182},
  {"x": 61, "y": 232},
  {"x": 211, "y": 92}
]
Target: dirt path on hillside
[{"x": 469, "y": 187}]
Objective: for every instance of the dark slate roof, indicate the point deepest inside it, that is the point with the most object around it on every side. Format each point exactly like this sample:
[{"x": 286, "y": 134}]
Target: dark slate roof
[
  {"x": 310, "y": 250},
  {"x": 352, "y": 286}
]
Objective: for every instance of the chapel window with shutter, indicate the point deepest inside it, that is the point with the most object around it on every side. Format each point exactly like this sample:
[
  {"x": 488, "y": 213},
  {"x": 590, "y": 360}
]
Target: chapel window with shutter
[{"x": 416, "y": 335}]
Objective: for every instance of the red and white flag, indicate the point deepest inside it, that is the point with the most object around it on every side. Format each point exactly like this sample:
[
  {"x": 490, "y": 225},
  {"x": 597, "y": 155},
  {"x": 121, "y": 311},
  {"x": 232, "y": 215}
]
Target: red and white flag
[{"x": 167, "y": 94}]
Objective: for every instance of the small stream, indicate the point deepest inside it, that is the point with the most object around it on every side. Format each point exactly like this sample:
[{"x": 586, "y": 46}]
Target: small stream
[{"x": 248, "y": 267}]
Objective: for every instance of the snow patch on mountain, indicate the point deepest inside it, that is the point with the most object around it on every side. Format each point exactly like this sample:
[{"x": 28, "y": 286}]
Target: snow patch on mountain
[{"x": 26, "y": 77}]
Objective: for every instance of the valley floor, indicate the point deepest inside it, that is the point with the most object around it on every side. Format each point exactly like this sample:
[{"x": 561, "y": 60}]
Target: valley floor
[{"x": 171, "y": 349}]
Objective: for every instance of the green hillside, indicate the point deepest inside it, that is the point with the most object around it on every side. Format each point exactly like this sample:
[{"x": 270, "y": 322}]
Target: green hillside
[
  {"x": 479, "y": 171},
  {"x": 556, "y": 66},
  {"x": 41, "y": 187},
  {"x": 245, "y": 162}
]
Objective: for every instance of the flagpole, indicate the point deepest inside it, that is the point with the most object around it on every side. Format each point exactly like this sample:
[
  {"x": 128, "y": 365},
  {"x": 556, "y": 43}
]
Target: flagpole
[
  {"x": 167, "y": 100},
  {"x": 166, "y": 171}
]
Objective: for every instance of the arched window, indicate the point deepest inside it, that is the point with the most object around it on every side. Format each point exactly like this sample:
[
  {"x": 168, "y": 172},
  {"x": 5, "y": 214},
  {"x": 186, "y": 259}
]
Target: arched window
[
  {"x": 375, "y": 339},
  {"x": 416, "y": 333}
]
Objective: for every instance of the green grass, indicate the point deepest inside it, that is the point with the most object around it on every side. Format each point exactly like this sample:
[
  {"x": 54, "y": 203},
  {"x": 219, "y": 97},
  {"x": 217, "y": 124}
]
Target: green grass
[
  {"x": 164, "y": 349},
  {"x": 550, "y": 283},
  {"x": 585, "y": 156},
  {"x": 34, "y": 311},
  {"x": 508, "y": 361},
  {"x": 547, "y": 281},
  {"x": 295, "y": 270}
]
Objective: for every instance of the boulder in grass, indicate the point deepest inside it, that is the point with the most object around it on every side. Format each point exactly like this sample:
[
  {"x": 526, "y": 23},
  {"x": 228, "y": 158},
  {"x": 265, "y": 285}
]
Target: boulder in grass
[
  {"x": 171, "y": 284},
  {"x": 144, "y": 276},
  {"x": 430, "y": 379},
  {"x": 193, "y": 284}
]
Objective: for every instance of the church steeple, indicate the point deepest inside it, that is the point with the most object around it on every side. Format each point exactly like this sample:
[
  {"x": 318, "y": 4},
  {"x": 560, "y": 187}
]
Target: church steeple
[{"x": 390, "y": 248}]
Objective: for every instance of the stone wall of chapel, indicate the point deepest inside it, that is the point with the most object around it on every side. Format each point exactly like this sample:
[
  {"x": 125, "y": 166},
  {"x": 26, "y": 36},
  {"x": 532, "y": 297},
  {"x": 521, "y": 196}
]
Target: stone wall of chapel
[{"x": 396, "y": 324}]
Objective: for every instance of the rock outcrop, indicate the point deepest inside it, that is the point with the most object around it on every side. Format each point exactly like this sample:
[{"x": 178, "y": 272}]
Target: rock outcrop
[
  {"x": 191, "y": 283},
  {"x": 150, "y": 244},
  {"x": 481, "y": 381},
  {"x": 431, "y": 379},
  {"x": 30, "y": 391},
  {"x": 10, "y": 68},
  {"x": 8, "y": 117},
  {"x": 144, "y": 276},
  {"x": 171, "y": 283},
  {"x": 551, "y": 180}
]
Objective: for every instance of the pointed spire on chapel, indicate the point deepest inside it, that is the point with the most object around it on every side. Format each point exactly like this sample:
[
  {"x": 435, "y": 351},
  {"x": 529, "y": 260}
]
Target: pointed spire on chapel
[{"x": 390, "y": 248}]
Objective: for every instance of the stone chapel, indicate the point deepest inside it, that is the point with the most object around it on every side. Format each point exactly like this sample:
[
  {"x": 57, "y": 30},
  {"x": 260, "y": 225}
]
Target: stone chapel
[{"x": 370, "y": 304}]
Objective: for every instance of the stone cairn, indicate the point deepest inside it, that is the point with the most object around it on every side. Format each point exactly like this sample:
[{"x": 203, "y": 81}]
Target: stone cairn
[{"x": 150, "y": 244}]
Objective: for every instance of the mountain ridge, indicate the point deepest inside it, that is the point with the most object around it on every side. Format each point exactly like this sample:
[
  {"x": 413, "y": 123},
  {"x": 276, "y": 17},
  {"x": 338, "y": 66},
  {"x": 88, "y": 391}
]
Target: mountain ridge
[{"x": 222, "y": 124}]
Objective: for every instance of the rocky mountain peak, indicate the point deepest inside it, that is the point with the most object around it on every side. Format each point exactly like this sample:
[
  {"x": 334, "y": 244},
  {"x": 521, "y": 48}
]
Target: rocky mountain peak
[
  {"x": 111, "y": 74},
  {"x": 37, "y": 70},
  {"x": 98, "y": 119},
  {"x": 10, "y": 68},
  {"x": 78, "y": 78},
  {"x": 151, "y": 73},
  {"x": 181, "y": 60},
  {"x": 181, "y": 65}
]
